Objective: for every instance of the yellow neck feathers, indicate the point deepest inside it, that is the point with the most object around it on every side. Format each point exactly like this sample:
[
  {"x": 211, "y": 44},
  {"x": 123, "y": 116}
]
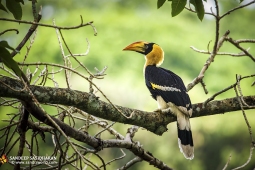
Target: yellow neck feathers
[{"x": 155, "y": 57}]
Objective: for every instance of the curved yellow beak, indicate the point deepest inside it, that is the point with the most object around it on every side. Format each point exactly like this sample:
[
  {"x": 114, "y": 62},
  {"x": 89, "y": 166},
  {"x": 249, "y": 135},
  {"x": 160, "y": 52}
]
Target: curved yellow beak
[{"x": 137, "y": 47}]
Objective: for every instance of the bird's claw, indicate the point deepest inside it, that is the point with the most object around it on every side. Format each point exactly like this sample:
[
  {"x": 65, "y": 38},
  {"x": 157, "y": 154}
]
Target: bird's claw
[
  {"x": 163, "y": 111},
  {"x": 158, "y": 110}
]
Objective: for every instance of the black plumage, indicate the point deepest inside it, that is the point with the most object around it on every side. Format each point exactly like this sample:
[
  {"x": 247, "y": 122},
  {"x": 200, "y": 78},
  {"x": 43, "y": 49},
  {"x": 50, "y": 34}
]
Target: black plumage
[
  {"x": 168, "y": 90},
  {"x": 178, "y": 95},
  {"x": 167, "y": 78}
]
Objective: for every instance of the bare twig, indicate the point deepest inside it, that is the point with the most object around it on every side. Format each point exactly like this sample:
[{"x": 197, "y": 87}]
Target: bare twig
[
  {"x": 8, "y": 30},
  {"x": 51, "y": 26},
  {"x": 115, "y": 159},
  {"x": 67, "y": 62},
  {"x": 248, "y": 160},
  {"x": 241, "y": 54},
  {"x": 235, "y": 9},
  {"x": 131, "y": 163},
  {"x": 28, "y": 35},
  {"x": 82, "y": 54},
  {"x": 30, "y": 46},
  {"x": 128, "y": 117},
  {"x": 226, "y": 165},
  {"x": 236, "y": 44},
  {"x": 226, "y": 89},
  {"x": 203, "y": 85},
  {"x": 217, "y": 45},
  {"x": 241, "y": 105},
  {"x": 191, "y": 10},
  {"x": 245, "y": 41},
  {"x": 131, "y": 133}
]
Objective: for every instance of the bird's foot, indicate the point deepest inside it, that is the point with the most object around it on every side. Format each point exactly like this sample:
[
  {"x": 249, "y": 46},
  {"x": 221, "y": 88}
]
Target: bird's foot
[{"x": 163, "y": 111}]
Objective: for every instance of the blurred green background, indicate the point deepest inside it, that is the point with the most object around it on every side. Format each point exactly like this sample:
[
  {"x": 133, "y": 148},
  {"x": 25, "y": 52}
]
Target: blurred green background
[{"x": 120, "y": 23}]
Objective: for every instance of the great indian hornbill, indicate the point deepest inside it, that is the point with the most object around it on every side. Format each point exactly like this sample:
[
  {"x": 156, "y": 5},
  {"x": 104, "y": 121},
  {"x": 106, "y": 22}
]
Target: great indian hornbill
[{"x": 168, "y": 90}]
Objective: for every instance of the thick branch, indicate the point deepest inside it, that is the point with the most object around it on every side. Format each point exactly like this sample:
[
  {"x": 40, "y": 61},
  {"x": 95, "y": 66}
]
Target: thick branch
[
  {"x": 90, "y": 104},
  {"x": 97, "y": 143}
]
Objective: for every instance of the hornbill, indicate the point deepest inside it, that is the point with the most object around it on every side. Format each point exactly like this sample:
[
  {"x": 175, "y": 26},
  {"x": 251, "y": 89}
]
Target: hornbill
[{"x": 168, "y": 90}]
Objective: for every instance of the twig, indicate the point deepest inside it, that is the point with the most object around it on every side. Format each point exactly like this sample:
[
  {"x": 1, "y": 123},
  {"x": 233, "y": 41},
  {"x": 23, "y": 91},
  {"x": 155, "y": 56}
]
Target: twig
[
  {"x": 8, "y": 71},
  {"x": 131, "y": 133},
  {"x": 82, "y": 54},
  {"x": 22, "y": 131},
  {"x": 63, "y": 39},
  {"x": 67, "y": 63},
  {"x": 8, "y": 30},
  {"x": 115, "y": 159},
  {"x": 98, "y": 75},
  {"x": 218, "y": 93},
  {"x": 226, "y": 89},
  {"x": 103, "y": 125},
  {"x": 241, "y": 105},
  {"x": 226, "y": 165},
  {"x": 128, "y": 117},
  {"x": 34, "y": 10},
  {"x": 241, "y": 54},
  {"x": 191, "y": 10},
  {"x": 247, "y": 123},
  {"x": 36, "y": 106},
  {"x": 203, "y": 85},
  {"x": 106, "y": 128},
  {"x": 234, "y": 9},
  {"x": 249, "y": 159},
  {"x": 131, "y": 163},
  {"x": 245, "y": 41},
  {"x": 29, "y": 47},
  {"x": 51, "y": 26},
  {"x": 236, "y": 44},
  {"x": 217, "y": 29},
  {"x": 137, "y": 150},
  {"x": 28, "y": 35},
  {"x": 217, "y": 45}
]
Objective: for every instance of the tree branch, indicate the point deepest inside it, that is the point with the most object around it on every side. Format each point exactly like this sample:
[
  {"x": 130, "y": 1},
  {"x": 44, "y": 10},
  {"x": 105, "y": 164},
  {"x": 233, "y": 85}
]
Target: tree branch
[
  {"x": 90, "y": 104},
  {"x": 236, "y": 44},
  {"x": 53, "y": 26}
]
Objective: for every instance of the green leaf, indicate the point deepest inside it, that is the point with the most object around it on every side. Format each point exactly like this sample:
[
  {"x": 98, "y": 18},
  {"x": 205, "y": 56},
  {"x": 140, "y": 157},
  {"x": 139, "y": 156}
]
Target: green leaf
[
  {"x": 241, "y": 1},
  {"x": 21, "y": 1},
  {"x": 160, "y": 3},
  {"x": 199, "y": 7},
  {"x": 178, "y": 6},
  {"x": 15, "y": 8},
  {"x": 2, "y": 7},
  {"x": 6, "y": 58},
  {"x": 6, "y": 45}
]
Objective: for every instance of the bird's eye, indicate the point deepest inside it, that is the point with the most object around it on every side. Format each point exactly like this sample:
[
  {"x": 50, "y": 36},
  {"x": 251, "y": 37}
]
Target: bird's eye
[{"x": 146, "y": 46}]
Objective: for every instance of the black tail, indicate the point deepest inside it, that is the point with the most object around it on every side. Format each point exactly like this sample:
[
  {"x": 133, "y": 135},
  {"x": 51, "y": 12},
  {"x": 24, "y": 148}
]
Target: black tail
[{"x": 185, "y": 139}]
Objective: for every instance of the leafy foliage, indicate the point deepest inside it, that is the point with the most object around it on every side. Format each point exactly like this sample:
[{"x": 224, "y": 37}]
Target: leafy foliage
[
  {"x": 160, "y": 3},
  {"x": 6, "y": 45},
  {"x": 21, "y": 1},
  {"x": 127, "y": 28},
  {"x": 199, "y": 7},
  {"x": 6, "y": 58},
  {"x": 179, "y": 5},
  {"x": 14, "y": 7},
  {"x": 2, "y": 7}
]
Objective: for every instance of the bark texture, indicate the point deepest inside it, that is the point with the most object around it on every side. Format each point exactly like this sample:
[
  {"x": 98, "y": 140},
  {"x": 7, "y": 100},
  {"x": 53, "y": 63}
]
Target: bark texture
[{"x": 152, "y": 121}]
